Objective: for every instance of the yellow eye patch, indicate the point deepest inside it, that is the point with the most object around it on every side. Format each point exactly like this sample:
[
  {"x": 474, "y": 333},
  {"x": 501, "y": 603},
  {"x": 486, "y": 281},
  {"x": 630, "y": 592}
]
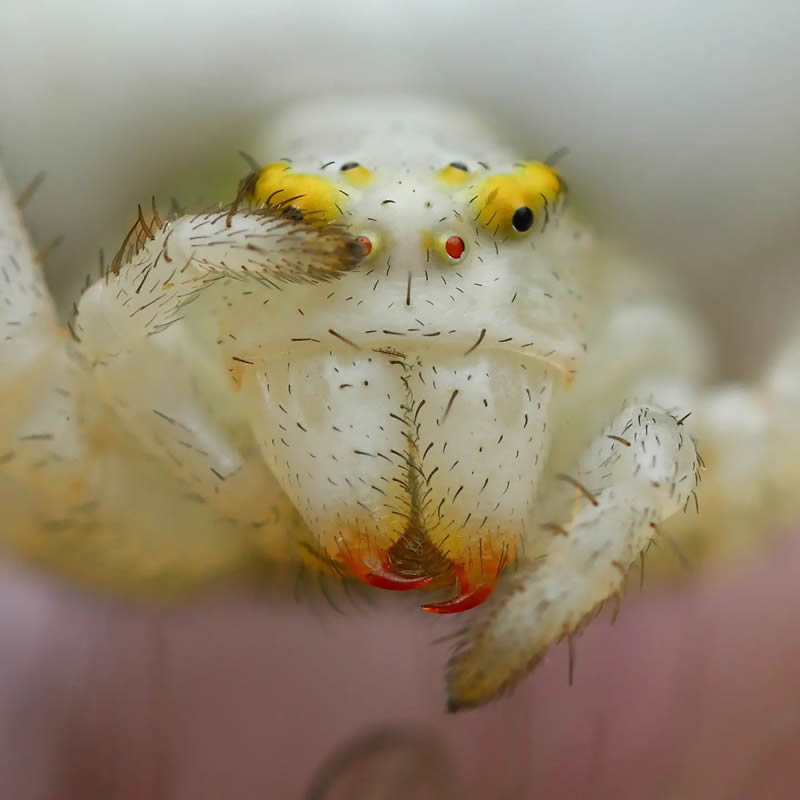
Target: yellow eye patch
[
  {"x": 454, "y": 174},
  {"x": 278, "y": 186},
  {"x": 356, "y": 175},
  {"x": 511, "y": 203}
]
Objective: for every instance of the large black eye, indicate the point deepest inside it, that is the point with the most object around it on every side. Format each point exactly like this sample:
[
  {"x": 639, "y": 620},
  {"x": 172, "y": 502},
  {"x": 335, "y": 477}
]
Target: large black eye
[
  {"x": 349, "y": 165},
  {"x": 522, "y": 219},
  {"x": 459, "y": 165}
]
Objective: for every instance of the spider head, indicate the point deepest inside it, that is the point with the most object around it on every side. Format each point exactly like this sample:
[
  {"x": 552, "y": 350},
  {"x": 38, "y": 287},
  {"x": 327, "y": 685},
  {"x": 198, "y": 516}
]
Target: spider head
[{"x": 405, "y": 407}]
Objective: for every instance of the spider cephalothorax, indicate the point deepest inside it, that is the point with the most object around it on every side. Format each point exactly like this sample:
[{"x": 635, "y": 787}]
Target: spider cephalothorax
[{"x": 415, "y": 444}]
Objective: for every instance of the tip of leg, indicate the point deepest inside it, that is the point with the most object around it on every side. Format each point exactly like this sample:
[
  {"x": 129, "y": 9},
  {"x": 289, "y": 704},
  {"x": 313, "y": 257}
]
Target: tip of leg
[{"x": 456, "y": 704}]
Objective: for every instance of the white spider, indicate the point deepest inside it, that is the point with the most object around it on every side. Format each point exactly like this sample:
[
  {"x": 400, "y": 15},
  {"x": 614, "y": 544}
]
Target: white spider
[{"x": 395, "y": 358}]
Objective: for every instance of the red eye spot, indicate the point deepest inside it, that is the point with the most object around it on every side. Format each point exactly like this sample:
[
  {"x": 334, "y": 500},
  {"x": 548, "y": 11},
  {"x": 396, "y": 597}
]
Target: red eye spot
[
  {"x": 364, "y": 245},
  {"x": 454, "y": 247}
]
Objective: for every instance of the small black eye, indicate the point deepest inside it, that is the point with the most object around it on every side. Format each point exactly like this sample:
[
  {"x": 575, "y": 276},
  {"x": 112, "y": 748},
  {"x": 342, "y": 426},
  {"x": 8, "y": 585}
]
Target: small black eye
[
  {"x": 459, "y": 165},
  {"x": 522, "y": 219},
  {"x": 349, "y": 165},
  {"x": 292, "y": 212}
]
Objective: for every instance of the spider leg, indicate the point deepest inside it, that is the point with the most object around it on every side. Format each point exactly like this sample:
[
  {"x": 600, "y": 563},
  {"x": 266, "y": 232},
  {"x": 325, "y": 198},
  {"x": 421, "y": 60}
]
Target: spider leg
[
  {"x": 29, "y": 331},
  {"x": 25, "y": 301},
  {"x": 151, "y": 336},
  {"x": 640, "y": 471},
  {"x": 40, "y": 443},
  {"x": 78, "y": 494}
]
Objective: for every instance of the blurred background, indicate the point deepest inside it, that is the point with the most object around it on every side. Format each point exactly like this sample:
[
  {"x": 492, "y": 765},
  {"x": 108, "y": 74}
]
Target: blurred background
[{"x": 682, "y": 124}]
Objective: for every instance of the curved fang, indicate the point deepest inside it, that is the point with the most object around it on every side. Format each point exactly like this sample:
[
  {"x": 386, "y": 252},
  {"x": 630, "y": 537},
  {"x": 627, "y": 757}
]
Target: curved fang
[
  {"x": 382, "y": 576},
  {"x": 467, "y": 598},
  {"x": 469, "y": 595}
]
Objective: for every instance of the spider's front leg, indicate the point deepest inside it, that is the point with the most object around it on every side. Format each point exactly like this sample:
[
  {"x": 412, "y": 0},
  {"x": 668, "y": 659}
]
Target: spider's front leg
[
  {"x": 77, "y": 494},
  {"x": 120, "y": 463},
  {"x": 640, "y": 471},
  {"x": 153, "y": 332}
]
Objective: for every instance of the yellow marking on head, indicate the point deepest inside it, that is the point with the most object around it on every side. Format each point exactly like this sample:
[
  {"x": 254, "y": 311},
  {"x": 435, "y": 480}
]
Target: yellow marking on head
[
  {"x": 317, "y": 198},
  {"x": 358, "y": 176},
  {"x": 533, "y": 188},
  {"x": 453, "y": 176}
]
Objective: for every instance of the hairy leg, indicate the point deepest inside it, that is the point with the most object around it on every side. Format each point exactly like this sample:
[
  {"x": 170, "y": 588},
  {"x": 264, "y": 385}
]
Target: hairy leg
[{"x": 640, "y": 471}]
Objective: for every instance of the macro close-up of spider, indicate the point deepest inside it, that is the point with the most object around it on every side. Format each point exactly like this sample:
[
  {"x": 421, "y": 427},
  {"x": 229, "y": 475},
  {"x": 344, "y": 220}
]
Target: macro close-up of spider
[
  {"x": 394, "y": 361},
  {"x": 383, "y": 371}
]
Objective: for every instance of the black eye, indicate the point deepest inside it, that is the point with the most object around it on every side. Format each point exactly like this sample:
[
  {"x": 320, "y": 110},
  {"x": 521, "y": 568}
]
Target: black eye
[
  {"x": 349, "y": 165},
  {"x": 459, "y": 165},
  {"x": 522, "y": 219},
  {"x": 292, "y": 212}
]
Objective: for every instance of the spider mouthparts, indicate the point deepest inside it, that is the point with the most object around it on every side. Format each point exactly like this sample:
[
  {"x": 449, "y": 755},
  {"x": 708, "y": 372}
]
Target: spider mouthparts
[
  {"x": 469, "y": 595},
  {"x": 385, "y": 580},
  {"x": 412, "y": 562},
  {"x": 415, "y": 562},
  {"x": 463, "y": 601},
  {"x": 382, "y": 577}
]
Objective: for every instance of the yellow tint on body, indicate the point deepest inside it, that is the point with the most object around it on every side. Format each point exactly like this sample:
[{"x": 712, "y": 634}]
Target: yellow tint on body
[
  {"x": 453, "y": 177},
  {"x": 358, "y": 176},
  {"x": 278, "y": 186}
]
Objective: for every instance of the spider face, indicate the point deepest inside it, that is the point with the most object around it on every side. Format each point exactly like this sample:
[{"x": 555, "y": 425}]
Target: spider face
[
  {"x": 404, "y": 409},
  {"x": 437, "y": 210}
]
